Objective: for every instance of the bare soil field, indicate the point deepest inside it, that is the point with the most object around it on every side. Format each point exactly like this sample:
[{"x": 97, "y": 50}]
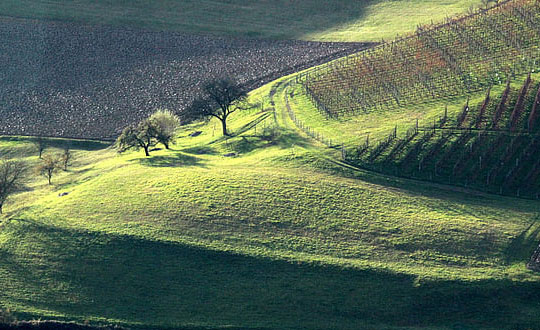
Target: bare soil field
[{"x": 71, "y": 80}]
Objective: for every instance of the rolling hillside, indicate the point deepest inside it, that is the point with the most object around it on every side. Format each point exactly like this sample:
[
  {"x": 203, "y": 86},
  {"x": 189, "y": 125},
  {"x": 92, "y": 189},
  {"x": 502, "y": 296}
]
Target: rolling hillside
[
  {"x": 299, "y": 220},
  {"x": 490, "y": 145},
  {"x": 474, "y": 128},
  {"x": 278, "y": 237},
  {"x": 464, "y": 55},
  {"x": 338, "y": 20}
]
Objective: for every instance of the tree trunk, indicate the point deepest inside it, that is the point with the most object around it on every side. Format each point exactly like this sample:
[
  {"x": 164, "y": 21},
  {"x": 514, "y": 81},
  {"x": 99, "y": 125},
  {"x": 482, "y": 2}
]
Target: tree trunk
[
  {"x": 224, "y": 126},
  {"x": 146, "y": 151},
  {"x": 49, "y": 177},
  {"x": 166, "y": 145}
]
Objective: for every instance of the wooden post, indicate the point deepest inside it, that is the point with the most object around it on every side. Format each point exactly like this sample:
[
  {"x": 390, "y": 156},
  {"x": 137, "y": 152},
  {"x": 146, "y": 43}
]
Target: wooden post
[{"x": 367, "y": 140}]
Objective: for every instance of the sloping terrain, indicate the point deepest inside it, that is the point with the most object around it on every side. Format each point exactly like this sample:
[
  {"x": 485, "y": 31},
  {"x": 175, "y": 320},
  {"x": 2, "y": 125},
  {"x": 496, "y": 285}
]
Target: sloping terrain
[
  {"x": 268, "y": 228},
  {"x": 337, "y": 20},
  {"x": 474, "y": 127},
  {"x": 79, "y": 81},
  {"x": 278, "y": 237},
  {"x": 491, "y": 145},
  {"x": 464, "y": 55}
]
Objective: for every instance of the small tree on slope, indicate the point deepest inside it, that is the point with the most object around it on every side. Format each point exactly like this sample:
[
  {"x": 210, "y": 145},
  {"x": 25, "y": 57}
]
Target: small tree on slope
[
  {"x": 12, "y": 174},
  {"x": 49, "y": 165},
  {"x": 136, "y": 137},
  {"x": 165, "y": 124}
]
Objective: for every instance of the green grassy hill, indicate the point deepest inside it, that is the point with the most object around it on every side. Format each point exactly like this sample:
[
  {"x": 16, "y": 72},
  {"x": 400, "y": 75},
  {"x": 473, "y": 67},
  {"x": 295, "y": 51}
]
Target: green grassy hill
[
  {"x": 283, "y": 235},
  {"x": 278, "y": 237},
  {"x": 339, "y": 20}
]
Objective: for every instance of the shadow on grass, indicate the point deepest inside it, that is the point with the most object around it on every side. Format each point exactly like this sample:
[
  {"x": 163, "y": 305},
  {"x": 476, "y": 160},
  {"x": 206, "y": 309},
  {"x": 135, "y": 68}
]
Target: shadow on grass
[
  {"x": 445, "y": 197},
  {"x": 284, "y": 139},
  {"x": 87, "y": 145},
  {"x": 77, "y": 176},
  {"x": 200, "y": 150},
  {"x": 174, "y": 160},
  {"x": 89, "y": 275},
  {"x": 522, "y": 247},
  {"x": 242, "y": 129},
  {"x": 252, "y": 123}
]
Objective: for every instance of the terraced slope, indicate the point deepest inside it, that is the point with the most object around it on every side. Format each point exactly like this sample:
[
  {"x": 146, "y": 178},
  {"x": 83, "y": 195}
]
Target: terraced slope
[{"x": 464, "y": 55}]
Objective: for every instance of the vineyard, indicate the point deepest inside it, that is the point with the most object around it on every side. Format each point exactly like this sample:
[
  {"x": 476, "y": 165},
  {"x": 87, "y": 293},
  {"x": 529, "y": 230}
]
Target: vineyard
[
  {"x": 71, "y": 80},
  {"x": 465, "y": 54},
  {"x": 492, "y": 145}
]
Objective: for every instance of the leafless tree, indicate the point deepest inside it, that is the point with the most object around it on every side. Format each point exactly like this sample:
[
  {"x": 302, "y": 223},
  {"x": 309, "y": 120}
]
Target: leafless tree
[
  {"x": 222, "y": 98},
  {"x": 12, "y": 174},
  {"x": 49, "y": 165},
  {"x": 40, "y": 144},
  {"x": 66, "y": 158}
]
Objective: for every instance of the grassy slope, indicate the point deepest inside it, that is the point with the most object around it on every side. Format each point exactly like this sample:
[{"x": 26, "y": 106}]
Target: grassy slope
[
  {"x": 352, "y": 130},
  {"x": 338, "y": 20},
  {"x": 277, "y": 237}
]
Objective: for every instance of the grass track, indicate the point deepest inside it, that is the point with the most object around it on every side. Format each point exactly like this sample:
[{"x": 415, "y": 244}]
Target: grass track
[{"x": 340, "y": 20}]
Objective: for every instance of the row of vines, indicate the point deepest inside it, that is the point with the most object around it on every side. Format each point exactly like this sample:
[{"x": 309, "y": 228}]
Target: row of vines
[
  {"x": 465, "y": 54},
  {"x": 490, "y": 146}
]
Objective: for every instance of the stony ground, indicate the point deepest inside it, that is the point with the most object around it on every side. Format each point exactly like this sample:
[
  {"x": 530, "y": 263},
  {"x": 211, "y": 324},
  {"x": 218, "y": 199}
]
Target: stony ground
[{"x": 72, "y": 80}]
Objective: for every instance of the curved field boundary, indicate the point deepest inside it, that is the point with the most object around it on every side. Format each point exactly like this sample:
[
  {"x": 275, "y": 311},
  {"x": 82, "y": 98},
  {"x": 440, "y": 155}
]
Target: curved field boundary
[
  {"x": 305, "y": 128},
  {"x": 70, "y": 80}
]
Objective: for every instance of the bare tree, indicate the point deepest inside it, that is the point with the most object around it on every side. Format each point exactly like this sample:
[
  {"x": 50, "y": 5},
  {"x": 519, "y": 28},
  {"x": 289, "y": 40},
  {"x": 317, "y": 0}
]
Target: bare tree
[
  {"x": 12, "y": 174},
  {"x": 66, "y": 158},
  {"x": 40, "y": 144},
  {"x": 223, "y": 97},
  {"x": 48, "y": 166},
  {"x": 136, "y": 137}
]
